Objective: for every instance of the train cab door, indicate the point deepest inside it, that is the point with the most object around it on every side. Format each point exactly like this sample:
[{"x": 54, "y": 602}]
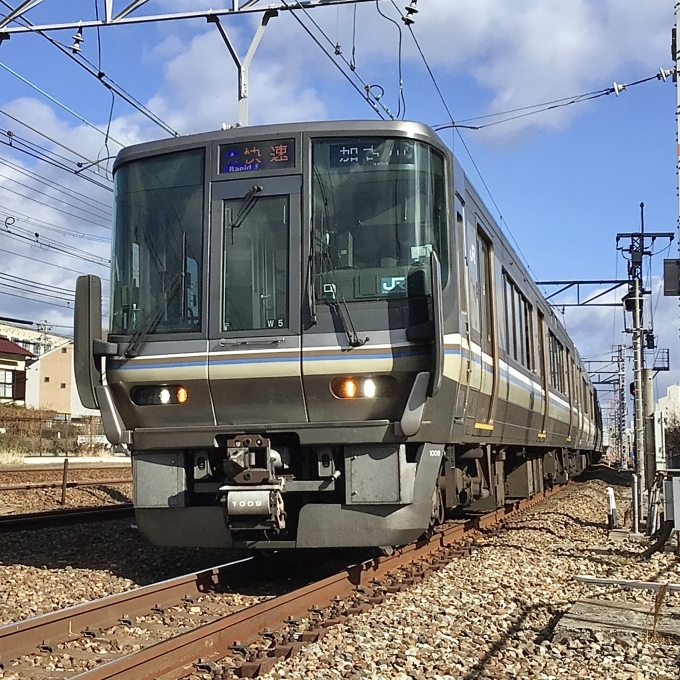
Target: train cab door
[{"x": 254, "y": 345}]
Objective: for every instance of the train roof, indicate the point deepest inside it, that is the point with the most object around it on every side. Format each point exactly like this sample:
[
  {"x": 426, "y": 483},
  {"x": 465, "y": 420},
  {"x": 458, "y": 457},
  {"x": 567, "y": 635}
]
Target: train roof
[{"x": 410, "y": 129}]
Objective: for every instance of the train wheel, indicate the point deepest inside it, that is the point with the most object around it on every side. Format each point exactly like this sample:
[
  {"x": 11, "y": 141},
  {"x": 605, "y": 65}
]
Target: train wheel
[{"x": 438, "y": 509}]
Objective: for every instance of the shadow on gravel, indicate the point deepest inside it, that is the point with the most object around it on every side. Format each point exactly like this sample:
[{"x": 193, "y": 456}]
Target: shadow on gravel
[
  {"x": 605, "y": 474},
  {"x": 576, "y": 520},
  {"x": 111, "y": 491},
  {"x": 116, "y": 547},
  {"x": 506, "y": 640}
]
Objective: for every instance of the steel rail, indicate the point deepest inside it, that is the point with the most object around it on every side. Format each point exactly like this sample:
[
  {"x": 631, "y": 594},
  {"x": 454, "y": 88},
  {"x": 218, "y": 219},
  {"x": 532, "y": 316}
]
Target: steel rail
[
  {"x": 28, "y": 636},
  {"x": 60, "y": 518},
  {"x": 175, "y": 657},
  {"x": 28, "y": 486}
]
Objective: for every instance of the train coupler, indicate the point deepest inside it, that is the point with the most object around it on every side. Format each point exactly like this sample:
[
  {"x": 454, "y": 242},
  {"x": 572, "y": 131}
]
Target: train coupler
[{"x": 254, "y": 507}]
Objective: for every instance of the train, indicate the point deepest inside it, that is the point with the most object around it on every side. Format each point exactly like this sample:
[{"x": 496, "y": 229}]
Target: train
[{"x": 319, "y": 337}]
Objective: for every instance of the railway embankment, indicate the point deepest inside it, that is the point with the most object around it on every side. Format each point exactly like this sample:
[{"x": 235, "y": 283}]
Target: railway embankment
[
  {"x": 494, "y": 613},
  {"x": 495, "y": 610}
]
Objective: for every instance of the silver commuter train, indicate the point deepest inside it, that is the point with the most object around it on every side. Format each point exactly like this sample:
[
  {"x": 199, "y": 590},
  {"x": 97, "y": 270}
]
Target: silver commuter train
[{"x": 319, "y": 337}]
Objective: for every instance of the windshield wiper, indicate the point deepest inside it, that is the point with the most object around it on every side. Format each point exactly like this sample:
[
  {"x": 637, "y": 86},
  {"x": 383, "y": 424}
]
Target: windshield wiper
[
  {"x": 152, "y": 322},
  {"x": 247, "y": 204},
  {"x": 341, "y": 306}
]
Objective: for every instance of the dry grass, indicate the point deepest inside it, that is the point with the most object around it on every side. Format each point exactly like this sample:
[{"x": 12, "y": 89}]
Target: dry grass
[{"x": 9, "y": 457}]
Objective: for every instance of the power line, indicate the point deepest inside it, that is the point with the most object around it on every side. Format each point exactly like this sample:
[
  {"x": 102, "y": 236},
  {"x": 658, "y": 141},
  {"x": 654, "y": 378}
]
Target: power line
[
  {"x": 369, "y": 97},
  {"x": 56, "y": 185},
  {"x": 51, "y": 207},
  {"x": 100, "y": 75},
  {"x": 548, "y": 106},
  {"x": 47, "y": 137},
  {"x": 58, "y": 103},
  {"x": 16, "y": 143},
  {"x": 54, "y": 198},
  {"x": 467, "y": 150},
  {"x": 42, "y": 242},
  {"x": 35, "y": 223},
  {"x": 401, "y": 114},
  {"x": 43, "y": 262}
]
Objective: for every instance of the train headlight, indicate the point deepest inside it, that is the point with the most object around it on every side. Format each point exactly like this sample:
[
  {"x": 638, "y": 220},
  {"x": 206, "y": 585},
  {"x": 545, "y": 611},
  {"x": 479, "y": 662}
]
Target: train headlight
[
  {"x": 369, "y": 388},
  {"x": 353, "y": 387},
  {"x": 159, "y": 395}
]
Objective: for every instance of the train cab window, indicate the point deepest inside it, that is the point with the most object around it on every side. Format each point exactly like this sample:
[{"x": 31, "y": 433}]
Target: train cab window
[
  {"x": 379, "y": 210},
  {"x": 255, "y": 257},
  {"x": 158, "y": 243}
]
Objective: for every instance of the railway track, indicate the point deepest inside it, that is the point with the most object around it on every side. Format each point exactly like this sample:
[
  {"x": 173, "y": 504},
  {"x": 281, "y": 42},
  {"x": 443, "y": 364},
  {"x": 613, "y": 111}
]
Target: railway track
[
  {"x": 187, "y": 632},
  {"x": 60, "y": 518}
]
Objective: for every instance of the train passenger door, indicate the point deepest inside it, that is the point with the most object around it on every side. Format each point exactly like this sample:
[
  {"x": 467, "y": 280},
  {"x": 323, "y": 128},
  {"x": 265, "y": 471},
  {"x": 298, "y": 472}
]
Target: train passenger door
[
  {"x": 488, "y": 336},
  {"x": 570, "y": 392},
  {"x": 544, "y": 369},
  {"x": 254, "y": 345}
]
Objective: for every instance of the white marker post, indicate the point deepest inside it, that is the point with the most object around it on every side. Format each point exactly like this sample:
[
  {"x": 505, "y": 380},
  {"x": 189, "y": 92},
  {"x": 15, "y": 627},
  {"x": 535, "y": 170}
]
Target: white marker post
[{"x": 612, "y": 519}]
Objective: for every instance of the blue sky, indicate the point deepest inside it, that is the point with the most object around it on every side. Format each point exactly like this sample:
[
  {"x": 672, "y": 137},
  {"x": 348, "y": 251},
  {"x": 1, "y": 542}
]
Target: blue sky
[{"x": 566, "y": 181}]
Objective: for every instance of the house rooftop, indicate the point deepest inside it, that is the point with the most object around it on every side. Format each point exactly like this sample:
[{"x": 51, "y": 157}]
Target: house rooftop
[{"x": 9, "y": 347}]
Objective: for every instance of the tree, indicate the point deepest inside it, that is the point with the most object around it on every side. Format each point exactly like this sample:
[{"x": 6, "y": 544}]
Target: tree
[{"x": 673, "y": 442}]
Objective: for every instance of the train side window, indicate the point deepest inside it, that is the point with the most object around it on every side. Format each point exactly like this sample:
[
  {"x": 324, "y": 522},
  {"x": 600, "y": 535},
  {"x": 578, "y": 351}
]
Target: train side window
[
  {"x": 557, "y": 364},
  {"x": 541, "y": 345},
  {"x": 529, "y": 335},
  {"x": 519, "y": 324}
]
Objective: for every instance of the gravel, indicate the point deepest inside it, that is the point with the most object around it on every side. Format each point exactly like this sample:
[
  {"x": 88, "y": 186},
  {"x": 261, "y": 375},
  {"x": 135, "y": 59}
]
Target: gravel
[
  {"x": 492, "y": 614},
  {"x": 489, "y": 615}
]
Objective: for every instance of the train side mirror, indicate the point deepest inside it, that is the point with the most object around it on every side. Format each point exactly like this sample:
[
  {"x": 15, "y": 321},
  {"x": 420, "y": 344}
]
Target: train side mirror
[{"x": 87, "y": 324}]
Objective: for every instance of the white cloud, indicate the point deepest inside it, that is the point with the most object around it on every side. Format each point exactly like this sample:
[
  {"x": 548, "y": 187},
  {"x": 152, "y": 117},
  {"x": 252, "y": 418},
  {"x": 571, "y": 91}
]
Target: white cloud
[{"x": 527, "y": 51}]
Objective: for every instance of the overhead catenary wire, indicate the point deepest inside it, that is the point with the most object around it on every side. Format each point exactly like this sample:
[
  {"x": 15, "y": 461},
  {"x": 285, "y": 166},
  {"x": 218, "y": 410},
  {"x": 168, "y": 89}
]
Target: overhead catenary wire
[
  {"x": 40, "y": 154},
  {"x": 35, "y": 223},
  {"x": 35, "y": 239},
  {"x": 51, "y": 207},
  {"x": 68, "y": 191},
  {"x": 89, "y": 161},
  {"x": 524, "y": 111},
  {"x": 43, "y": 262},
  {"x": 465, "y": 146},
  {"x": 58, "y": 103},
  {"x": 401, "y": 106},
  {"x": 373, "y": 101},
  {"x": 97, "y": 72},
  {"x": 51, "y": 196}
]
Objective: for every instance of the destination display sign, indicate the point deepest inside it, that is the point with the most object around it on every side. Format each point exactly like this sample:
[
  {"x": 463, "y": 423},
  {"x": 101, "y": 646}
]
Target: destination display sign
[
  {"x": 372, "y": 152},
  {"x": 273, "y": 154}
]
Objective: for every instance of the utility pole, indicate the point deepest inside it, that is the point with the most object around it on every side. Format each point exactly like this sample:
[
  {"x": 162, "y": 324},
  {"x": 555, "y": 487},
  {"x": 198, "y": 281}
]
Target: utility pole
[
  {"x": 621, "y": 405},
  {"x": 640, "y": 245}
]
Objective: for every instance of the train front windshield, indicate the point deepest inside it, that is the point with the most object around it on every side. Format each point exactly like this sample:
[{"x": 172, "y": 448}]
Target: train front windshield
[
  {"x": 157, "y": 244},
  {"x": 379, "y": 210}
]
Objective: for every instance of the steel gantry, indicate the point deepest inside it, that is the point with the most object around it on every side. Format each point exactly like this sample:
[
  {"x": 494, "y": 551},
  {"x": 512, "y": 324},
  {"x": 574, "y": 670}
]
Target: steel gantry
[{"x": 129, "y": 15}]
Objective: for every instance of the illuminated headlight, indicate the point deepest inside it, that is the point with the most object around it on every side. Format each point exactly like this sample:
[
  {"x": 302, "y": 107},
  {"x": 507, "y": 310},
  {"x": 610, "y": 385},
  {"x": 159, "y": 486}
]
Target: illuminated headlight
[
  {"x": 352, "y": 387},
  {"x": 159, "y": 395},
  {"x": 369, "y": 388}
]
